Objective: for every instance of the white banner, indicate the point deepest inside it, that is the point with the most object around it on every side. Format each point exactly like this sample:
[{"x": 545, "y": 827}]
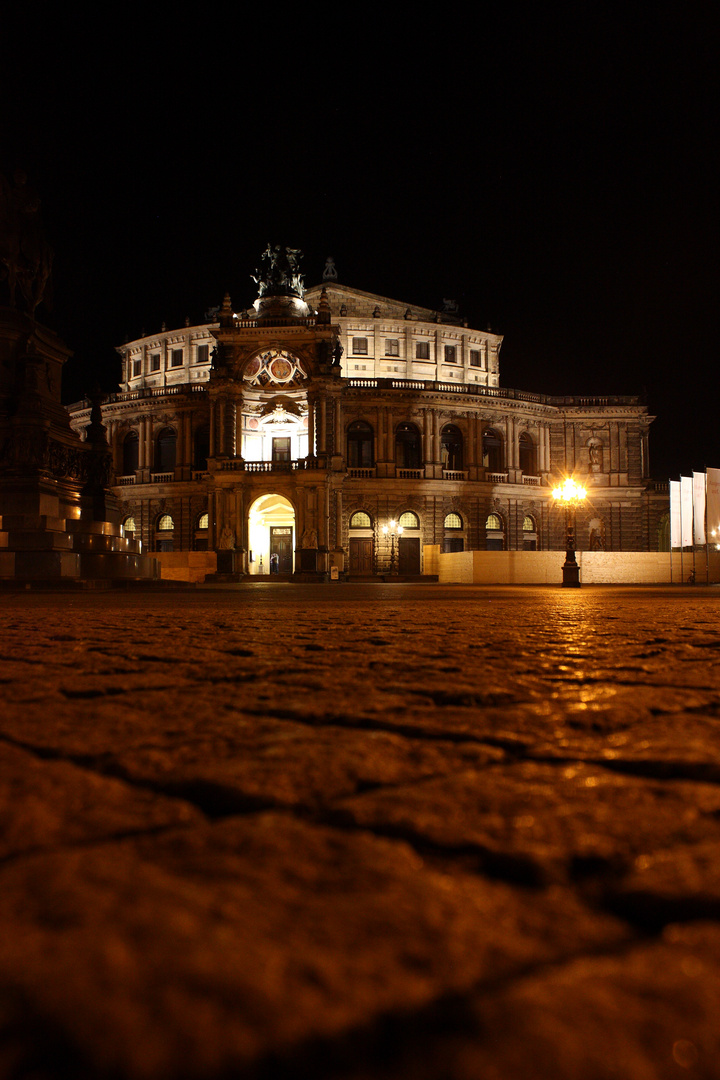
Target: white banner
[
  {"x": 675, "y": 537},
  {"x": 699, "y": 507},
  {"x": 686, "y": 510},
  {"x": 713, "y": 505}
]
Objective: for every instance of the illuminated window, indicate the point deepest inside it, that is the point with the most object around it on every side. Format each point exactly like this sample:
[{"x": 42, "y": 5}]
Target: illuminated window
[
  {"x": 450, "y": 354},
  {"x": 392, "y": 347},
  {"x": 408, "y": 520},
  {"x": 493, "y": 522},
  {"x": 204, "y": 521},
  {"x": 422, "y": 350},
  {"x": 155, "y": 361},
  {"x": 453, "y": 521},
  {"x": 203, "y": 354},
  {"x": 529, "y": 529},
  {"x": 475, "y": 358},
  {"x": 176, "y": 358},
  {"x": 360, "y": 346},
  {"x": 165, "y": 523},
  {"x": 129, "y": 525},
  {"x": 360, "y": 520}
]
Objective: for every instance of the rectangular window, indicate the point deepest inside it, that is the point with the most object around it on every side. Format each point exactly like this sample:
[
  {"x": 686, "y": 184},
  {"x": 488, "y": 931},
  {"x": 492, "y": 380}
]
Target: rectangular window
[
  {"x": 203, "y": 354},
  {"x": 450, "y": 354},
  {"x": 155, "y": 361},
  {"x": 176, "y": 358},
  {"x": 422, "y": 350},
  {"x": 392, "y": 347},
  {"x": 359, "y": 346},
  {"x": 136, "y": 368},
  {"x": 475, "y": 358},
  {"x": 281, "y": 451}
]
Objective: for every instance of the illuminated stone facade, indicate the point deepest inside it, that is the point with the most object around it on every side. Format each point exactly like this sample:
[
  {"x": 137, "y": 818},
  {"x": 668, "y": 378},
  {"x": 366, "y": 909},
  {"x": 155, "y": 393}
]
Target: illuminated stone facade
[{"x": 286, "y": 436}]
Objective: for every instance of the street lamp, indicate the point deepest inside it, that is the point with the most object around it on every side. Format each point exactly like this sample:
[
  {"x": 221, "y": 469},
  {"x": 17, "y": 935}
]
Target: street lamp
[
  {"x": 570, "y": 495},
  {"x": 395, "y": 530}
]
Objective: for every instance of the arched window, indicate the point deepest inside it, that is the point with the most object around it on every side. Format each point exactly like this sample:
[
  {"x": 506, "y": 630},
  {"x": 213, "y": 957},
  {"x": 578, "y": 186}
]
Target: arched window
[
  {"x": 165, "y": 450},
  {"x": 201, "y": 448},
  {"x": 360, "y": 520},
  {"x": 409, "y": 520},
  {"x": 129, "y": 526},
  {"x": 529, "y": 529},
  {"x": 130, "y": 453},
  {"x": 200, "y": 539},
  {"x": 453, "y": 522},
  {"x": 360, "y": 445},
  {"x": 526, "y": 449},
  {"x": 494, "y": 533},
  {"x": 492, "y": 450},
  {"x": 451, "y": 447},
  {"x": 408, "y": 447},
  {"x": 164, "y": 533}
]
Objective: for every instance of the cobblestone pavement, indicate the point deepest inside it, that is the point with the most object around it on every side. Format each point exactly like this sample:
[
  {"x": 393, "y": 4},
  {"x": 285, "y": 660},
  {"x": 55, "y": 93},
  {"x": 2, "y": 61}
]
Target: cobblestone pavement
[{"x": 360, "y": 832}]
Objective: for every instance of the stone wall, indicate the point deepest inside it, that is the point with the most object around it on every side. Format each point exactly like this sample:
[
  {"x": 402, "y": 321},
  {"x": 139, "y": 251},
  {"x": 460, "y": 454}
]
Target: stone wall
[{"x": 596, "y": 567}]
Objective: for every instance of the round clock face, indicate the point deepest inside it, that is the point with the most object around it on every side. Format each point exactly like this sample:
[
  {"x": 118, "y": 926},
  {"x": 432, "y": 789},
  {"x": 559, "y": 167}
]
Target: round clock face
[{"x": 274, "y": 368}]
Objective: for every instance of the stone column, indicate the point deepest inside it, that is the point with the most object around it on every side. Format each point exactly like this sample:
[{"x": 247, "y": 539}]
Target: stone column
[{"x": 311, "y": 425}]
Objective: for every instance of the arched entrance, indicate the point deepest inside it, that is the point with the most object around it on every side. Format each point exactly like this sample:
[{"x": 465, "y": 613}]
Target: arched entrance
[{"x": 271, "y": 532}]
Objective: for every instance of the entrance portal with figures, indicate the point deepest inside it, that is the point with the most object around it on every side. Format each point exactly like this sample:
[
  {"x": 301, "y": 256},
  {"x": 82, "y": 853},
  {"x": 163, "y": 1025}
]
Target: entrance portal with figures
[{"x": 271, "y": 535}]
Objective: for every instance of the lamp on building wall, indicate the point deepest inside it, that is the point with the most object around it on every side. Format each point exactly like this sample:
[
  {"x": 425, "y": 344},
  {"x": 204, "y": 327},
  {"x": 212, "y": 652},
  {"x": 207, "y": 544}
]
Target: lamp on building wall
[
  {"x": 395, "y": 530},
  {"x": 570, "y": 495}
]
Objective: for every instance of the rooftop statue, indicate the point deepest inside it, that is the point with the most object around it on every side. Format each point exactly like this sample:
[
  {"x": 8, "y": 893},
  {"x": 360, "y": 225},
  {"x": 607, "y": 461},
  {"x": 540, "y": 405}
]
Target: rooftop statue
[
  {"x": 25, "y": 256},
  {"x": 280, "y": 275}
]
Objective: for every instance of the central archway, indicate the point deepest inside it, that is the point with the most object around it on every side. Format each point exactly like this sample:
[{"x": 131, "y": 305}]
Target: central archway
[{"x": 271, "y": 535}]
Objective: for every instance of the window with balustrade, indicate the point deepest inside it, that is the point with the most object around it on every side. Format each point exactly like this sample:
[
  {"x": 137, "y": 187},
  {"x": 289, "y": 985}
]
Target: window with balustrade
[
  {"x": 451, "y": 447},
  {"x": 492, "y": 450},
  {"x": 408, "y": 447},
  {"x": 360, "y": 450}
]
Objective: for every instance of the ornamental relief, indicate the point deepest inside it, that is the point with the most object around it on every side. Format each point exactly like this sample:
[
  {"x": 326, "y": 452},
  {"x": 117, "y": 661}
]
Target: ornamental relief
[{"x": 274, "y": 367}]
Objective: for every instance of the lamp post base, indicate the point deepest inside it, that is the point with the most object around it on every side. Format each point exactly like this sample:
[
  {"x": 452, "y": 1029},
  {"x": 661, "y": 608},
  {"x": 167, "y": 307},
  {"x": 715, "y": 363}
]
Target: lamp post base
[{"x": 571, "y": 573}]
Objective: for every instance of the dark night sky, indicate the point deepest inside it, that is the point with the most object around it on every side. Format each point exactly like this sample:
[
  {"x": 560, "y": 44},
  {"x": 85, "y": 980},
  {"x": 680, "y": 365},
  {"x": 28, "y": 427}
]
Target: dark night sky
[{"x": 551, "y": 167}]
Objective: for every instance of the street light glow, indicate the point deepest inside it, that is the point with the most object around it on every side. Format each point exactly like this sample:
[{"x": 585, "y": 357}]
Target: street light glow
[{"x": 569, "y": 491}]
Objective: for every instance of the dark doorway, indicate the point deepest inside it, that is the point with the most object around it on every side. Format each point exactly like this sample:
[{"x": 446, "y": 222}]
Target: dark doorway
[
  {"x": 165, "y": 454},
  {"x": 131, "y": 448},
  {"x": 281, "y": 544},
  {"x": 408, "y": 447},
  {"x": 361, "y": 555},
  {"x": 409, "y": 555}
]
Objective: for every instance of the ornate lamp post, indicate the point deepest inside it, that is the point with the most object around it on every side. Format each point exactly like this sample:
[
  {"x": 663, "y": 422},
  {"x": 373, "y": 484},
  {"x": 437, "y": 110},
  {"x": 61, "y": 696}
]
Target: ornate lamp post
[
  {"x": 570, "y": 495},
  {"x": 395, "y": 530}
]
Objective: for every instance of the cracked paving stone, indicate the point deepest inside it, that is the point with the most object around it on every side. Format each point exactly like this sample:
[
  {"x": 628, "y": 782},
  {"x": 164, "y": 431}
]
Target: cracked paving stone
[{"x": 216, "y": 947}]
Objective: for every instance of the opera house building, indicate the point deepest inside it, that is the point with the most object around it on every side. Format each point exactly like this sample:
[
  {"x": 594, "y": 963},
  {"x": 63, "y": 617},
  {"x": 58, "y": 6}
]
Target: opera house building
[{"x": 330, "y": 427}]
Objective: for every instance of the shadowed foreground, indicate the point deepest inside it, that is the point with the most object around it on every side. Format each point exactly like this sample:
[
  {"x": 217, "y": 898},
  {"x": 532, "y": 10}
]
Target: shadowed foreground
[{"x": 360, "y": 832}]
